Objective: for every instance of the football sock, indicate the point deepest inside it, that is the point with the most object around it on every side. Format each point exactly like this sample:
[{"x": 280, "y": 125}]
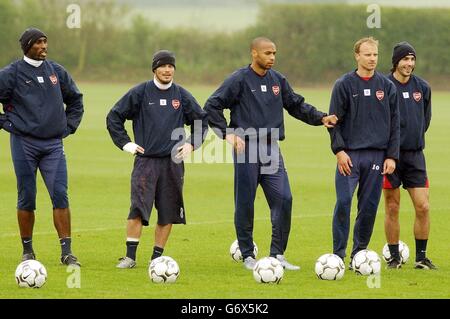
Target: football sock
[
  {"x": 132, "y": 245},
  {"x": 157, "y": 252},
  {"x": 27, "y": 243},
  {"x": 421, "y": 249},
  {"x": 65, "y": 246},
  {"x": 393, "y": 249}
]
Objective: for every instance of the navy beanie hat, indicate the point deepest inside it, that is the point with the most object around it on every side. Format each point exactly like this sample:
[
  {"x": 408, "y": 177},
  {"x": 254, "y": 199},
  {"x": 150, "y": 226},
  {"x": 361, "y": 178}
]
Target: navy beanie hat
[
  {"x": 163, "y": 57},
  {"x": 29, "y": 37},
  {"x": 401, "y": 50}
]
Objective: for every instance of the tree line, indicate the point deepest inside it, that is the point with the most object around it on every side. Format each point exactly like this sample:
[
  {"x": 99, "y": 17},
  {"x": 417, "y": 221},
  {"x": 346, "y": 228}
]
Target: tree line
[{"x": 314, "y": 42}]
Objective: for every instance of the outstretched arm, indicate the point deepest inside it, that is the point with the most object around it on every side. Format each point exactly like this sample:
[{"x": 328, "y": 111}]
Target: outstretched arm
[{"x": 297, "y": 107}]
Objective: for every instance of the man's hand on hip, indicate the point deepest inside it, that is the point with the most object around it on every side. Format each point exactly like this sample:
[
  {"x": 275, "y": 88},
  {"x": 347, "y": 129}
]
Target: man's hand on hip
[
  {"x": 184, "y": 151},
  {"x": 133, "y": 148}
]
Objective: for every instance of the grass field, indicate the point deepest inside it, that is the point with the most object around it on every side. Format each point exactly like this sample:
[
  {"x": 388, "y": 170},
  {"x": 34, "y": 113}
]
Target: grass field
[{"x": 99, "y": 176}]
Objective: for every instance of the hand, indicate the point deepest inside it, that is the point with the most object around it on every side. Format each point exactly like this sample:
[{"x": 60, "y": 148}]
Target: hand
[
  {"x": 184, "y": 151},
  {"x": 133, "y": 148},
  {"x": 236, "y": 141},
  {"x": 329, "y": 121},
  {"x": 344, "y": 163},
  {"x": 388, "y": 166}
]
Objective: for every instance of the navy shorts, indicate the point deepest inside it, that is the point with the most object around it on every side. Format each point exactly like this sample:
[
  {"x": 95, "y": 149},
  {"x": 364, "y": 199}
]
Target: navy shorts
[
  {"x": 159, "y": 181},
  {"x": 410, "y": 171},
  {"x": 47, "y": 155}
]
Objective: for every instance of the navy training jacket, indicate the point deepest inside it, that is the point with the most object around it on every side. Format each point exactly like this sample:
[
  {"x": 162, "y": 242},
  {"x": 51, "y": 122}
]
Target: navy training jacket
[
  {"x": 368, "y": 114},
  {"x": 155, "y": 115},
  {"x": 257, "y": 102},
  {"x": 415, "y": 112},
  {"x": 33, "y": 100}
]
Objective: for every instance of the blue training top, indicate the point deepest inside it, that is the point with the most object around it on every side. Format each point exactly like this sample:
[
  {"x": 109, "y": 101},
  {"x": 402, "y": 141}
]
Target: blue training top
[
  {"x": 257, "y": 102},
  {"x": 33, "y": 99},
  {"x": 155, "y": 115},
  {"x": 415, "y": 112},
  {"x": 368, "y": 114}
]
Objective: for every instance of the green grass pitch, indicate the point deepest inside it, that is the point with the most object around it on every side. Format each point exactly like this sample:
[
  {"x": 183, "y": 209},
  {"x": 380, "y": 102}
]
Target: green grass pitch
[{"x": 99, "y": 177}]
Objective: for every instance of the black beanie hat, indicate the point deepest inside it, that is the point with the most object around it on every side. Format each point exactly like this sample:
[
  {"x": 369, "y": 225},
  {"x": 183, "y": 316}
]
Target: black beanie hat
[
  {"x": 162, "y": 57},
  {"x": 401, "y": 50},
  {"x": 29, "y": 37}
]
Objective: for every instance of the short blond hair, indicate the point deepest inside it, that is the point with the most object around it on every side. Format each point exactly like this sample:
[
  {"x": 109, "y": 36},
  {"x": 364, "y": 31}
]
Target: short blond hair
[{"x": 358, "y": 43}]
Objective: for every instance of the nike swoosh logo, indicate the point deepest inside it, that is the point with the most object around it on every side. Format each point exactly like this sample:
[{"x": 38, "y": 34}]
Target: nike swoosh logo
[
  {"x": 253, "y": 90},
  {"x": 26, "y": 241},
  {"x": 62, "y": 244},
  {"x": 151, "y": 103},
  {"x": 355, "y": 95},
  {"x": 28, "y": 81}
]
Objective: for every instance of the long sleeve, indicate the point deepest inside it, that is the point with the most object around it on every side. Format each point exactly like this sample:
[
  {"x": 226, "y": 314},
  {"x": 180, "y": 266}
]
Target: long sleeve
[
  {"x": 393, "y": 149},
  {"x": 73, "y": 99},
  {"x": 297, "y": 107},
  {"x": 194, "y": 115},
  {"x": 6, "y": 88},
  {"x": 223, "y": 98},
  {"x": 338, "y": 107},
  {"x": 123, "y": 110},
  {"x": 7, "y": 80},
  {"x": 427, "y": 105}
]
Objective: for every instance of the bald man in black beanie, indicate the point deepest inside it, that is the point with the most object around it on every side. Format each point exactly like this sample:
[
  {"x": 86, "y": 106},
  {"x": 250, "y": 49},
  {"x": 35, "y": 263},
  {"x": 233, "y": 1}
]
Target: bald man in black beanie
[
  {"x": 414, "y": 95},
  {"x": 42, "y": 106}
]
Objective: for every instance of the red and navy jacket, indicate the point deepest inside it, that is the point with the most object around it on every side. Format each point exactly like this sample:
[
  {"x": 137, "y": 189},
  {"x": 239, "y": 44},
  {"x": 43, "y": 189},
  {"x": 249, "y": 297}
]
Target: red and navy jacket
[
  {"x": 33, "y": 100},
  {"x": 257, "y": 102},
  {"x": 368, "y": 114},
  {"x": 155, "y": 115},
  {"x": 415, "y": 112}
]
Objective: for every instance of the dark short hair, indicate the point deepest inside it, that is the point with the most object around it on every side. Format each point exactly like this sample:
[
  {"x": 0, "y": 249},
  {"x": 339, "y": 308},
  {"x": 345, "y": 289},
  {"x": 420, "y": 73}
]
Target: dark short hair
[{"x": 257, "y": 41}]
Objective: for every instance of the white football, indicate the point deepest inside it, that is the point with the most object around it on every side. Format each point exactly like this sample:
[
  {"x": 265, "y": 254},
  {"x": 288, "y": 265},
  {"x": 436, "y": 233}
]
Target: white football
[
  {"x": 329, "y": 267},
  {"x": 163, "y": 269},
  {"x": 366, "y": 262},
  {"x": 402, "y": 248},
  {"x": 236, "y": 254},
  {"x": 31, "y": 274},
  {"x": 268, "y": 270}
]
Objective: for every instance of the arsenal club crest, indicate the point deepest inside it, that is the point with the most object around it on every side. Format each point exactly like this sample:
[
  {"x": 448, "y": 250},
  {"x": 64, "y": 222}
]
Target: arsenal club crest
[
  {"x": 380, "y": 95},
  {"x": 54, "y": 79},
  {"x": 276, "y": 89},
  {"x": 176, "y": 104},
  {"x": 417, "y": 96}
]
